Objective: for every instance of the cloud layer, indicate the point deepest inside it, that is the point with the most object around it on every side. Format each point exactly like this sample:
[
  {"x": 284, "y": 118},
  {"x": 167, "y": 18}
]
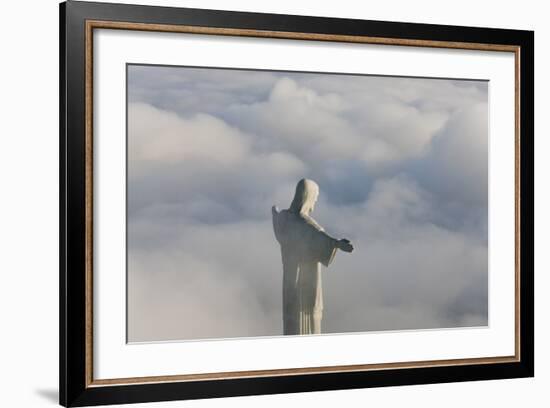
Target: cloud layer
[{"x": 402, "y": 168}]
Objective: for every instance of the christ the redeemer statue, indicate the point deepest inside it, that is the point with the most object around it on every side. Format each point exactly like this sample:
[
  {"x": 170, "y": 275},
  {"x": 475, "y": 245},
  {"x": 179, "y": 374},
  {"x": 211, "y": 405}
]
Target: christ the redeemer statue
[{"x": 304, "y": 246}]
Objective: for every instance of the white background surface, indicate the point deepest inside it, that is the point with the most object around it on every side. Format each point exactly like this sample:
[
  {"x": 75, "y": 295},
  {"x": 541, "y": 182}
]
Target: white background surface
[
  {"x": 29, "y": 220},
  {"x": 113, "y": 358}
]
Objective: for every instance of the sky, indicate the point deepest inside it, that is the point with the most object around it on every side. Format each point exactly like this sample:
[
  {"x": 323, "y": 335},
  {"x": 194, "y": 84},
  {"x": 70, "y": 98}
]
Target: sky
[{"x": 402, "y": 166}]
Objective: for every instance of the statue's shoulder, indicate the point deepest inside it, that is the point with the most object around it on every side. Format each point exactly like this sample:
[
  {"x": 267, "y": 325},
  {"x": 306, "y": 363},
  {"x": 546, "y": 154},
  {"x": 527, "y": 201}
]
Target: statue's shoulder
[
  {"x": 311, "y": 222},
  {"x": 280, "y": 215}
]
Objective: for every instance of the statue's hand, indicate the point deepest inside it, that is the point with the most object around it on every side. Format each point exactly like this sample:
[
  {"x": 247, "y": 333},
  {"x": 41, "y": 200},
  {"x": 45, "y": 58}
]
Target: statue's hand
[
  {"x": 274, "y": 210},
  {"x": 345, "y": 245}
]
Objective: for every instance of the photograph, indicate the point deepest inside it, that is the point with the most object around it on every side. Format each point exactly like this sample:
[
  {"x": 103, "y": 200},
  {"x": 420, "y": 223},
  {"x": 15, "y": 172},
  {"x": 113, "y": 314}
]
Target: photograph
[
  {"x": 257, "y": 203},
  {"x": 283, "y": 203}
]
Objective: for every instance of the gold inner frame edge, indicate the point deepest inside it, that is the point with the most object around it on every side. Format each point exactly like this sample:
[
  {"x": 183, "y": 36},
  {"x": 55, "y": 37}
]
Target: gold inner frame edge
[{"x": 93, "y": 24}]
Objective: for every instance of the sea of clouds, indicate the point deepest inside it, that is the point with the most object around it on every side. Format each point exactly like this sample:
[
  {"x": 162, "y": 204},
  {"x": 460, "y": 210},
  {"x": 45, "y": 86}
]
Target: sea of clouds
[{"x": 402, "y": 169}]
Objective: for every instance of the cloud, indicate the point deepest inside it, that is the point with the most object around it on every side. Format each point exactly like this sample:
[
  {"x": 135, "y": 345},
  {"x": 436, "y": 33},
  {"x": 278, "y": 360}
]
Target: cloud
[
  {"x": 161, "y": 136},
  {"x": 454, "y": 168},
  {"x": 201, "y": 164},
  {"x": 406, "y": 272},
  {"x": 459, "y": 151},
  {"x": 195, "y": 90},
  {"x": 199, "y": 285},
  {"x": 210, "y": 151}
]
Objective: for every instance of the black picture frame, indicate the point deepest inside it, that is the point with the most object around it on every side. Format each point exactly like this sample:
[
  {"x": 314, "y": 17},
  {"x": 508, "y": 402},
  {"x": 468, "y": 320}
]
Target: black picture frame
[{"x": 76, "y": 387}]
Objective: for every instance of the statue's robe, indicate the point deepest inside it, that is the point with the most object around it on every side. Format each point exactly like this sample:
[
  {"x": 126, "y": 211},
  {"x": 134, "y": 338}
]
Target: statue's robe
[{"x": 304, "y": 247}]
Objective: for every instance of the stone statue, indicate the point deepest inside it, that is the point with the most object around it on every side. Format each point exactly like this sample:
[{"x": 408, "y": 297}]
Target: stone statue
[{"x": 304, "y": 245}]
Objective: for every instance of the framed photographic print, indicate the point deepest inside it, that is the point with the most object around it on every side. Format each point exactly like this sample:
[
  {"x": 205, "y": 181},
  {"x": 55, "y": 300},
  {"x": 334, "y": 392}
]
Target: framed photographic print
[{"x": 257, "y": 203}]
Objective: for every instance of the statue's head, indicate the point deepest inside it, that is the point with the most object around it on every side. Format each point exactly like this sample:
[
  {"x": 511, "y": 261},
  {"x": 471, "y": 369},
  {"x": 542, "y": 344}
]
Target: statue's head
[{"x": 305, "y": 197}]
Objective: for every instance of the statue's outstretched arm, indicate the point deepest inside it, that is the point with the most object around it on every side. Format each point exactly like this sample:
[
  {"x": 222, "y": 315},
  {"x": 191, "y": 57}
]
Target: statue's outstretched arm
[
  {"x": 345, "y": 245},
  {"x": 276, "y": 229},
  {"x": 342, "y": 244}
]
